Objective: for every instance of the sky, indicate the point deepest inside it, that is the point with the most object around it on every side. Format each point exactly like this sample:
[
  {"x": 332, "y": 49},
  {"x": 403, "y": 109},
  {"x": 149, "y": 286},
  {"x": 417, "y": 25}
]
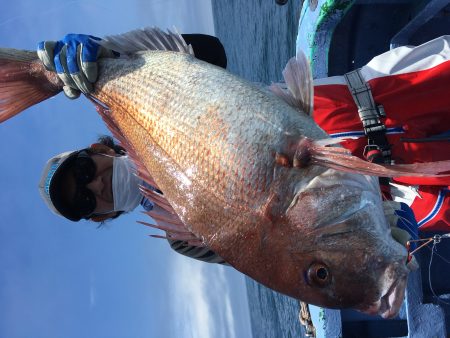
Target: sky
[{"x": 65, "y": 279}]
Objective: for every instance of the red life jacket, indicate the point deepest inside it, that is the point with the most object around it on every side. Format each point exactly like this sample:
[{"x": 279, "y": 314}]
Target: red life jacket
[{"x": 412, "y": 85}]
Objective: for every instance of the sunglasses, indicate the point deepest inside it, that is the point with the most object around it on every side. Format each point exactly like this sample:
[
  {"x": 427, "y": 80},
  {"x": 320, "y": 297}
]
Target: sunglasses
[{"x": 84, "y": 170}]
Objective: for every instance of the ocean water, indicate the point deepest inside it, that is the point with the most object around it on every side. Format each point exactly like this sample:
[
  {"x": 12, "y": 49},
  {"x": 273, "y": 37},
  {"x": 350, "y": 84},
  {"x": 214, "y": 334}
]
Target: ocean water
[{"x": 259, "y": 37}]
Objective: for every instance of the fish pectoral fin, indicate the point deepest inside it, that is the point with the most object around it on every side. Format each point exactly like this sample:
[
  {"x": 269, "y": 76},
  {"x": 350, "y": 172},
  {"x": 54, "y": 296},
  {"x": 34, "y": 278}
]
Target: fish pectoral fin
[
  {"x": 309, "y": 152},
  {"x": 149, "y": 38},
  {"x": 283, "y": 160},
  {"x": 298, "y": 158},
  {"x": 298, "y": 90}
]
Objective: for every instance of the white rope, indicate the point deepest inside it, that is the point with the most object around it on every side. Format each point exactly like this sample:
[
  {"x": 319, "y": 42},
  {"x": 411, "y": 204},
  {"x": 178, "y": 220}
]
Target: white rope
[{"x": 304, "y": 317}]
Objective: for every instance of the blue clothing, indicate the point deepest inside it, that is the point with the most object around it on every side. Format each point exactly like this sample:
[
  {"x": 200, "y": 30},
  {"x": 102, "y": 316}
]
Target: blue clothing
[{"x": 145, "y": 202}]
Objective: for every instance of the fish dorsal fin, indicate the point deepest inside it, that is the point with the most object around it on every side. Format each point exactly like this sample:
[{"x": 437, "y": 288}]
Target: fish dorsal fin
[
  {"x": 298, "y": 90},
  {"x": 149, "y": 38}
]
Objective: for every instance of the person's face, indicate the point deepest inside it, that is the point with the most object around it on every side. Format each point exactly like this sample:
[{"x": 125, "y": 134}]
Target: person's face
[{"x": 100, "y": 185}]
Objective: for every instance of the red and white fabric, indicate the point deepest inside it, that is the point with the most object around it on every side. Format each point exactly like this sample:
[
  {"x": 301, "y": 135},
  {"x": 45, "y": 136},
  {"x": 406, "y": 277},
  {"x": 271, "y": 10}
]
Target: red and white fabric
[{"x": 413, "y": 86}]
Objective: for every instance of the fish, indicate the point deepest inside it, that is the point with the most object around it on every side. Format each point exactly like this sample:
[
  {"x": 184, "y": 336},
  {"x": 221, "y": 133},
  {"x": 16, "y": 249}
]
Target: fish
[{"x": 244, "y": 170}]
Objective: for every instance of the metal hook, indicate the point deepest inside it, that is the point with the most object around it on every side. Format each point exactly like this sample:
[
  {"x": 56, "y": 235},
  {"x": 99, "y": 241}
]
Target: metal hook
[{"x": 437, "y": 239}]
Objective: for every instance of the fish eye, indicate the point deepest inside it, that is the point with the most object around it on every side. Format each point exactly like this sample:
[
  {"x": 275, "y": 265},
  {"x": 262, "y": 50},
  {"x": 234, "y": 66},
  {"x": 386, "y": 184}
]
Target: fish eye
[{"x": 319, "y": 275}]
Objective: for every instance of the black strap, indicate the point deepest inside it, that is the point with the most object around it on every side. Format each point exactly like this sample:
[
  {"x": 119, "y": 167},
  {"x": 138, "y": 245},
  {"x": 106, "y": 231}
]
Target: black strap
[{"x": 370, "y": 115}]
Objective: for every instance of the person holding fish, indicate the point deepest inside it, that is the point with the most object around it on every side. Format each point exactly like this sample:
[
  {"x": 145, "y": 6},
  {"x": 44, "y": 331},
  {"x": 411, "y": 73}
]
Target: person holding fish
[
  {"x": 111, "y": 188},
  {"x": 244, "y": 172},
  {"x": 327, "y": 92}
]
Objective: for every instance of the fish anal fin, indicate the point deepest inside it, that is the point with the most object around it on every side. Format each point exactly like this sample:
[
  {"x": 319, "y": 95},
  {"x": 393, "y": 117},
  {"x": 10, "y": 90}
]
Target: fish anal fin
[
  {"x": 298, "y": 90},
  {"x": 171, "y": 224}
]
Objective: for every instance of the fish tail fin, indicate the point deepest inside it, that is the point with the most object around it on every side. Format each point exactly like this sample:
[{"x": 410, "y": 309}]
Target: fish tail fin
[
  {"x": 23, "y": 82},
  {"x": 341, "y": 159}
]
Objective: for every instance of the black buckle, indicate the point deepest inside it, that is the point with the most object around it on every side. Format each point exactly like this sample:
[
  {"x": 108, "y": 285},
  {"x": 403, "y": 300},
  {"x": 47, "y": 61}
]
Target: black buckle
[{"x": 370, "y": 147}]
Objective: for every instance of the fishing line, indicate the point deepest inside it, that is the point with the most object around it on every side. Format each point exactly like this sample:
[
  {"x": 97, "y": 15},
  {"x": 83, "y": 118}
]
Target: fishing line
[
  {"x": 415, "y": 237},
  {"x": 433, "y": 250},
  {"x": 436, "y": 239}
]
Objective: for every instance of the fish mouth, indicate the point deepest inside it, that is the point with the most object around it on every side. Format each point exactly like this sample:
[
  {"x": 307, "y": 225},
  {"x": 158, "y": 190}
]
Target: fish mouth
[{"x": 390, "y": 303}]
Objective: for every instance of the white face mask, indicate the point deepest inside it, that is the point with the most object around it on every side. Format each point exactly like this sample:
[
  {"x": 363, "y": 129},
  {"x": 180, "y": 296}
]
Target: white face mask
[{"x": 125, "y": 185}]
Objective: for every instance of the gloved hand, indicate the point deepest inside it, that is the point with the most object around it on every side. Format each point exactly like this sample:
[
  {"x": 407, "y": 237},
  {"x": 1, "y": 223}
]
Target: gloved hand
[
  {"x": 403, "y": 225},
  {"x": 401, "y": 217},
  {"x": 74, "y": 58}
]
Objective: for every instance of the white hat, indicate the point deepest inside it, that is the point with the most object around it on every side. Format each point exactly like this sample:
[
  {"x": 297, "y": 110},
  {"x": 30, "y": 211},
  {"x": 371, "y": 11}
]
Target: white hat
[{"x": 49, "y": 185}]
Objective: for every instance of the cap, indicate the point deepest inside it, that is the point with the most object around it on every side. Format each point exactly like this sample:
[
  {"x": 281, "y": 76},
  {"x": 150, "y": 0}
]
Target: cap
[{"x": 50, "y": 185}]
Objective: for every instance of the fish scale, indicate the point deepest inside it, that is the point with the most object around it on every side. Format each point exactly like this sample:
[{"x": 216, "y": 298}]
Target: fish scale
[{"x": 180, "y": 116}]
